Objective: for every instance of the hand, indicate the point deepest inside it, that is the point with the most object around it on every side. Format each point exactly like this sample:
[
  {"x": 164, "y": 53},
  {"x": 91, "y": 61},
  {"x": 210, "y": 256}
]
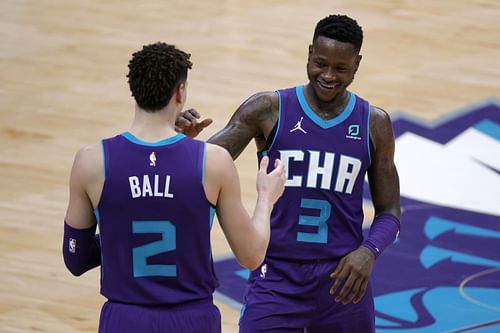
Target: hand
[
  {"x": 353, "y": 272},
  {"x": 271, "y": 184},
  {"x": 187, "y": 123}
]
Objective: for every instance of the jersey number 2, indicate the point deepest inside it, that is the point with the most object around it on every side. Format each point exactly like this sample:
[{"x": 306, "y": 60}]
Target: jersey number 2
[
  {"x": 167, "y": 243},
  {"x": 321, "y": 236}
]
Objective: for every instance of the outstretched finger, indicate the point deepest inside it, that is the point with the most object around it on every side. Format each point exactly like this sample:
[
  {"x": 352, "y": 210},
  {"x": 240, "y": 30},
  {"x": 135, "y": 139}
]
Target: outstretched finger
[
  {"x": 361, "y": 292},
  {"x": 204, "y": 123},
  {"x": 346, "y": 288},
  {"x": 339, "y": 268},
  {"x": 278, "y": 166},
  {"x": 264, "y": 163},
  {"x": 339, "y": 275},
  {"x": 354, "y": 292}
]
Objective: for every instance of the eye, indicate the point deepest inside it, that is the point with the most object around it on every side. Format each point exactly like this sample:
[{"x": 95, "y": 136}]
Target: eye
[
  {"x": 342, "y": 69},
  {"x": 320, "y": 64}
]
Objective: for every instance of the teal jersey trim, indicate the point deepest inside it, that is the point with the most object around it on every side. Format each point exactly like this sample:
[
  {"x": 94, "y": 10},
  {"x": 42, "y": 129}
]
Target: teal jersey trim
[
  {"x": 103, "y": 160},
  {"x": 97, "y": 216},
  {"x": 278, "y": 122},
  {"x": 368, "y": 133},
  {"x": 173, "y": 139},
  {"x": 211, "y": 218},
  {"x": 322, "y": 122},
  {"x": 203, "y": 163}
]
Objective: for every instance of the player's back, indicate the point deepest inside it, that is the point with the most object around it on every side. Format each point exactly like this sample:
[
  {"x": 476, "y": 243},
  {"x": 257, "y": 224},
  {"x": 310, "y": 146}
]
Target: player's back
[{"x": 154, "y": 221}]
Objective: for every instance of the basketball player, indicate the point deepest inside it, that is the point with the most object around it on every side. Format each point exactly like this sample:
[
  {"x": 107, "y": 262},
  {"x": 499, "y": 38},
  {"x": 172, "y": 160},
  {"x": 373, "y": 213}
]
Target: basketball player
[
  {"x": 315, "y": 277},
  {"x": 154, "y": 193}
]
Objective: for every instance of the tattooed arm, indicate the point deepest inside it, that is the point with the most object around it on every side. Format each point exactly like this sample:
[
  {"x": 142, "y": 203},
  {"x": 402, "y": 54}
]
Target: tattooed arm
[
  {"x": 255, "y": 118},
  {"x": 354, "y": 269}
]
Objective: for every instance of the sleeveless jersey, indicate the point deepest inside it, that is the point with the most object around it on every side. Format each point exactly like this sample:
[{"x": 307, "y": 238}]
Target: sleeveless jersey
[
  {"x": 154, "y": 222},
  {"x": 320, "y": 214}
]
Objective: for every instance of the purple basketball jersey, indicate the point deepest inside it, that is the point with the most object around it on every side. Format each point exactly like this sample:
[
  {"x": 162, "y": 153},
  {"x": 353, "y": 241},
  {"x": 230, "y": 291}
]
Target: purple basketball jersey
[
  {"x": 320, "y": 214},
  {"x": 154, "y": 221}
]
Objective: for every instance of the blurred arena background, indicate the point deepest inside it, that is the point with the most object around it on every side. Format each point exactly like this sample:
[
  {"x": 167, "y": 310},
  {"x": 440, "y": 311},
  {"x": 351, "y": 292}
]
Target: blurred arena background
[{"x": 63, "y": 86}]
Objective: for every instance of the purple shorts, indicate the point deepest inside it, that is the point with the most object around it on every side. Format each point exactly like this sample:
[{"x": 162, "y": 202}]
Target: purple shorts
[
  {"x": 295, "y": 297},
  {"x": 199, "y": 317}
]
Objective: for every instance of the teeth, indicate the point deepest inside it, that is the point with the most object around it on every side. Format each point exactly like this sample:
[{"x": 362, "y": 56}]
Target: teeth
[{"x": 327, "y": 86}]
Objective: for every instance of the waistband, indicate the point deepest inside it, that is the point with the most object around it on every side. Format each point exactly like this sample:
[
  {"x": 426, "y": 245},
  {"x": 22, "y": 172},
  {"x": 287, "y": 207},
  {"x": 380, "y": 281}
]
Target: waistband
[{"x": 190, "y": 304}]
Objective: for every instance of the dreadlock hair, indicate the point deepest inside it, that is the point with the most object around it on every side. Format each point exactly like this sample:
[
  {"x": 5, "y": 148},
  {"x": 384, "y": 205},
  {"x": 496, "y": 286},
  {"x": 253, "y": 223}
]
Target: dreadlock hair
[
  {"x": 341, "y": 28},
  {"x": 154, "y": 73}
]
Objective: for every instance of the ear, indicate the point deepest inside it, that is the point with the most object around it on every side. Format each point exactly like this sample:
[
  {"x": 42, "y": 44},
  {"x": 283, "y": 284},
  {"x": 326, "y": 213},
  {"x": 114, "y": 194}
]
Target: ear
[
  {"x": 180, "y": 93},
  {"x": 310, "y": 49},
  {"x": 358, "y": 61}
]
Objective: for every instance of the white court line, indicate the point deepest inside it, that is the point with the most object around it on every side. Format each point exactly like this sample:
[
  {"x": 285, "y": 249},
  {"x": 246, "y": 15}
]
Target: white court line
[
  {"x": 471, "y": 299},
  {"x": 474, "y": 327}
]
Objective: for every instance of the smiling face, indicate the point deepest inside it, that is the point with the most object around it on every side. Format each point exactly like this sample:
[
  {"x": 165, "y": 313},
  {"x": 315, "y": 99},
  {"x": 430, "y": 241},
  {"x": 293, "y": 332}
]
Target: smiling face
[{"x": 331, "y": 67}]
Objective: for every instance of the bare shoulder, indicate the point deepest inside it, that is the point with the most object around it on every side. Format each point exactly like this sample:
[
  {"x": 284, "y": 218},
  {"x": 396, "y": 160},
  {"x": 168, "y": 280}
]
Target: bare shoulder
[
  {"x": 217, "y": 156},
  {"x": 380, "y": 126},
  {"x": 89, "y": 154},
  {"x": 379, "y": 116},
  {"x": 259, "y": 108},
  {"x": 219, "y": 168},
  {"x": 88, "y": 162},
  {"x": 262, "y": 101}
]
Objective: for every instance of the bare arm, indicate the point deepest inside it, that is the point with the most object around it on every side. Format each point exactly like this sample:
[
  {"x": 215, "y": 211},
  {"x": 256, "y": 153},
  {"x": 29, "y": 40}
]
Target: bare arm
[
  {"x": 86, "y": 174},
  {"x": 81, "y": 247},
  {"x": 382, "y": 174},
  {"x": 255, "y": 118},
  {"x": 247, "y": 237},
  {"x": 354, "y": 269}
]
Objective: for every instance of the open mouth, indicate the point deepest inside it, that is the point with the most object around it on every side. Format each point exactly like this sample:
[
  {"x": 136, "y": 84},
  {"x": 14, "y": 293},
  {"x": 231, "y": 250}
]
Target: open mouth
[{"x": 328, "y": 86}]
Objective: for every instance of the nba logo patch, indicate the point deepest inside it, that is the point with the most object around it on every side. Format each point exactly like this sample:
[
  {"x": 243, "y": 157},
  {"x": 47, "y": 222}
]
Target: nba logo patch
[
  {"x": 263, "y": 271},
  {"x": 152, "y": 159},
  {"x": 72, "y": 245}
]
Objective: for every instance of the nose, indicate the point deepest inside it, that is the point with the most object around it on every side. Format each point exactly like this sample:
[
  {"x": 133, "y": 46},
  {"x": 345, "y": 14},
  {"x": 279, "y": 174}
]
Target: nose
[{"x": 329, "y": 74}]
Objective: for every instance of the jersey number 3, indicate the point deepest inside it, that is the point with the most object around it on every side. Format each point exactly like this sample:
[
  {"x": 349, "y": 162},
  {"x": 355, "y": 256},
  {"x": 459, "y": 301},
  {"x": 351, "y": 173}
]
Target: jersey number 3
[
  {"x": 321, "y": 236},
  {"x": 141, "y": 253}
]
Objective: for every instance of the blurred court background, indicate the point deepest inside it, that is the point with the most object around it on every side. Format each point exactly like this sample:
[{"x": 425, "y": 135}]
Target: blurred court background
[{"x": 63, "y": 86}]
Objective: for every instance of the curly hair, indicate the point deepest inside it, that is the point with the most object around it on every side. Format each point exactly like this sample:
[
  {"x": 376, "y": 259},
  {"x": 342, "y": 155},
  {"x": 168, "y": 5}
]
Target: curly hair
[
  {"x": 341, "y": 28},
  {"x": 154, "y": 73}
]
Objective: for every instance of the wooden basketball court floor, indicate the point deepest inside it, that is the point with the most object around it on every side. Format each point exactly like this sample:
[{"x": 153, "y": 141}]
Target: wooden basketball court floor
[{"x": 63, "y": 86}]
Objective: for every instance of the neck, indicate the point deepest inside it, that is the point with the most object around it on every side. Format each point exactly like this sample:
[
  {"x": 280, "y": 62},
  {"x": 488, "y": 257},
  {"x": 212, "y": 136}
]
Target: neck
[
  {"x": 328, "y": 109},
  {"x": 152, "y": 127}
]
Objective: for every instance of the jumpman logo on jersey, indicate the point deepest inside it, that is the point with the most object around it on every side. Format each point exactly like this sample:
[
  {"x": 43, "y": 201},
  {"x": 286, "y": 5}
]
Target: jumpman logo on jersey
[
  {"x": 298, "y": 126},
  {"x": 152, "y": 158}
]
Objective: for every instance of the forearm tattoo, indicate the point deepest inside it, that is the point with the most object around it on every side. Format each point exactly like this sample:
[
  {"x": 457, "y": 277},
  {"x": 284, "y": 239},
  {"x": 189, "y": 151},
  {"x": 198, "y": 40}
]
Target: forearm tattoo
[{"x": 255, "y": 118}]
